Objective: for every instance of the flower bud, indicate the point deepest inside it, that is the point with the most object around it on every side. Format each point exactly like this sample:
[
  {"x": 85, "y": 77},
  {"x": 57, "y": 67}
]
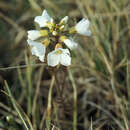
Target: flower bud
[
  {"x": 64, "y": 20},
  {"x": 54, "y": 33},
  {"x": 58, "y": 45},
  {"x": 62, "y": 27}
]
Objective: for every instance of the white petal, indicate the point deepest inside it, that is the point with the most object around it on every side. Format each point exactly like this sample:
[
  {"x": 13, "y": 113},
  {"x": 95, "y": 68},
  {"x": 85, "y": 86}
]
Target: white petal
[
  {"x": 46, "y": 15},
  {"x": 35, "y": 52},
  {"x": 82, "y": 27},
  {"x": 53, "y": 59},
  {"x": 70, "y": 44},
  {"x": 42, "y": 20},
  {"x": 33, "y": 34},
  {"x": 88, "y": 33},
  {"x": 65, "y": 19},
  {"x": 38, "y": 49},
  {"x": 65, "y": 58},
  {"x": 65, "y": 51}
]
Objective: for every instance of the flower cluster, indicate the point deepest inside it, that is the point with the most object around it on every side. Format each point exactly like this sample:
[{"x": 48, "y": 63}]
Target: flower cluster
[{"x": 57, "y": 36}]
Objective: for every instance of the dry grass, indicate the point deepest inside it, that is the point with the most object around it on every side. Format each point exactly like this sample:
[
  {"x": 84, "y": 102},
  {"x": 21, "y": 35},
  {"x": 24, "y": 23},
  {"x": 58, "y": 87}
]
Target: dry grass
[{"x": 96, "y": 92}]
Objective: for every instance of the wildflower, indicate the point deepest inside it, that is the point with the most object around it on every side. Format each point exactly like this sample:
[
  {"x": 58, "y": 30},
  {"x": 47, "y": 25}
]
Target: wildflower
[
  {"x": 56, "y": 34},
  {"x": 82, "y": 27},
  {"x": 69, "y": 42},
  {"x": 59, "y": 56},
  {"x": 35, "y": 34},
  {"x": 38, "y": 49},
  {"x": 43, "y": 19}
]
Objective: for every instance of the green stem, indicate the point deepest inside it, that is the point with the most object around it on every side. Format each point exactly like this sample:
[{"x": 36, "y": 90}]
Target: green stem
[
  {"x": 49, "y": 102},
  {"x": 15, "y": 106}
]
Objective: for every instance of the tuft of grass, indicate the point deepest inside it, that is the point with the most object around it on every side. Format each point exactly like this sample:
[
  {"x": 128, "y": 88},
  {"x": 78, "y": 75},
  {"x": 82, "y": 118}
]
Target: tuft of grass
[
  {"x": 15, "y": 105},
  {"x": 96, "y": 92}
]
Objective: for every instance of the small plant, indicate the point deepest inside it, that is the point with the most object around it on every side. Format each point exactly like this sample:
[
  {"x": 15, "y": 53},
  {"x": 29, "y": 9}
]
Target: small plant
[{"x": 57, "y": 36}]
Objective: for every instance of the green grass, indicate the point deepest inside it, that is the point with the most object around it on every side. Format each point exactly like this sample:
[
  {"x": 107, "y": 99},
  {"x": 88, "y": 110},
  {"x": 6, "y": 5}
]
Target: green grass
[{"x": 96, "y": 90}]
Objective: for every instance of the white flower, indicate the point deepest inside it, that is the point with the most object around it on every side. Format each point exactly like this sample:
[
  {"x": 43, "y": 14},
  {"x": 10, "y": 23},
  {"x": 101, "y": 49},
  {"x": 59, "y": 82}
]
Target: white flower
[
  {"x": 64, "y": 20},
  {"x": 42, "y": 20},
  {"x": 33, "y": 34},
  {"x": 70, "y": 43},
  {"x": 59, "y": 56},
  {"x": 82, "y": 27},
  {"x": 38, "y": 49}
]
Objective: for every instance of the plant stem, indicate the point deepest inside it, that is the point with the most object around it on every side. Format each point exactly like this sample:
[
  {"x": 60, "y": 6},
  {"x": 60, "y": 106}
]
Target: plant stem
[
  {"x": 75, "y": 101},
  {"x": 49, "y": 102}
]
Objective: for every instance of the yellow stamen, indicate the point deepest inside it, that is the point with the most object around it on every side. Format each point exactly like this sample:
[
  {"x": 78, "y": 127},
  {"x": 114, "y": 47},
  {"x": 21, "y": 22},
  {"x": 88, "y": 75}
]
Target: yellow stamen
[
  {"x": 43, "y": 33},
  {"x": 72, "y": 30},
  {"x": 62, "y": 38},
  {"x": 58, "y": 45},
  {"x": 46, "y": 42},
  {"x": 50, "y": 25},
  {"x": 58, "y": 52}
]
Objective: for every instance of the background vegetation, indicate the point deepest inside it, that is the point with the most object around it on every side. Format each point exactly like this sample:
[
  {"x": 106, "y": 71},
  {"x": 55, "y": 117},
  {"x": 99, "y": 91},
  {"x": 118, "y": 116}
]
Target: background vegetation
[{"x": 96, "y": 92}]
